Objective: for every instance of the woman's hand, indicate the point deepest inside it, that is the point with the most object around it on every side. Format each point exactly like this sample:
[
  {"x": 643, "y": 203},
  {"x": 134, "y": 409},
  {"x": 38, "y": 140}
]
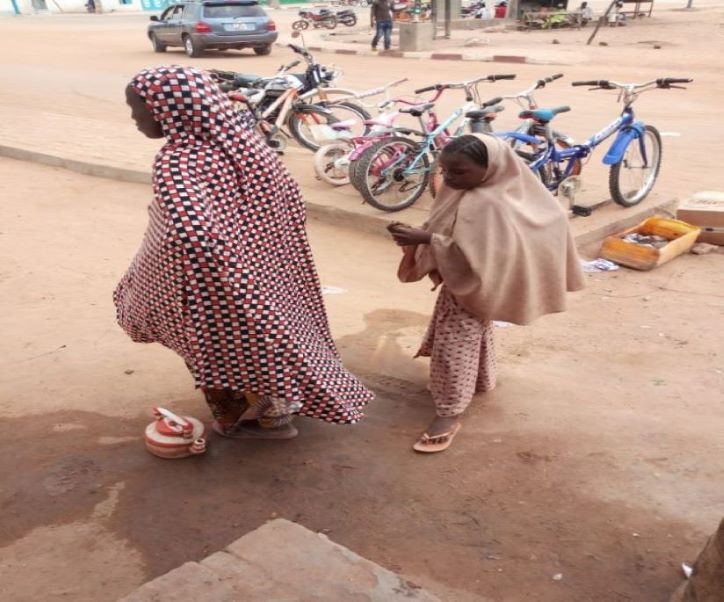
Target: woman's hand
[{"x": 406, "y": 236}]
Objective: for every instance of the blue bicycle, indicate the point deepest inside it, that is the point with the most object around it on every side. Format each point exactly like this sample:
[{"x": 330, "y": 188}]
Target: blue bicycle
[{"x": 634, "y": 156}]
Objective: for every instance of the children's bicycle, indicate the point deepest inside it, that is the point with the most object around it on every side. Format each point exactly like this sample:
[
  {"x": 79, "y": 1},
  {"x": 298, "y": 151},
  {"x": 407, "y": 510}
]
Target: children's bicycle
[
  {"x": 394, "y": 172},
  {"x": 634, "y": 156}
]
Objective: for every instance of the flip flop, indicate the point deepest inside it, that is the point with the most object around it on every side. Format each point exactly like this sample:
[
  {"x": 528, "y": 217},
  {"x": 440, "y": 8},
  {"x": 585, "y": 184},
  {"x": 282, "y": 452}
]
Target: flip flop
[
  {"x": 432, "y": 445},
  {"x": 252, "y": 430}
]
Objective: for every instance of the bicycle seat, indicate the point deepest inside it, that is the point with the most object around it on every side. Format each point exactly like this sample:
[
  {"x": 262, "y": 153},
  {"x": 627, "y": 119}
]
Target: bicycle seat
[
  {"x": 418, "y": 110},
  {"x": 478, "y": 114},
  {"x": 543, "y": 115}
]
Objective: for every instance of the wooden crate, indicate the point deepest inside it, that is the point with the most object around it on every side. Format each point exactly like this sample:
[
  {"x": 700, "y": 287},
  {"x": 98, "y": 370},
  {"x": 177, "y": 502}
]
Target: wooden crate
[{"x": 682, "y": 237}]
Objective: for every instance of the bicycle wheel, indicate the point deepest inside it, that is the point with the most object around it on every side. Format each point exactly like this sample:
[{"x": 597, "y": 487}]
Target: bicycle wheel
[
  {"x": 300, "y": 123},
  {"x": 383, "y": 178},
  {"x": 632, "y": 178},
  {"x": 347, "y": 110},
  {"x": 326, "y": 166}
]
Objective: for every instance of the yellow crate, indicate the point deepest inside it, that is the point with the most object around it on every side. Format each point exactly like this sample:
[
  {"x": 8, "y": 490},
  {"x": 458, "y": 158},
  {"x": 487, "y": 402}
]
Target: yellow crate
[{"x": 682, "y": 237}]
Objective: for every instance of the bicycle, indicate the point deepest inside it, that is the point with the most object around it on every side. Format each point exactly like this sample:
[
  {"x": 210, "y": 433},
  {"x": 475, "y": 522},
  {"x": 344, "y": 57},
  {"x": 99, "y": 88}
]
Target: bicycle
[
  {"x": 636, "y": 150},
  {"x": 341, "y": 144},
  {"x": 403, "y": 167}
]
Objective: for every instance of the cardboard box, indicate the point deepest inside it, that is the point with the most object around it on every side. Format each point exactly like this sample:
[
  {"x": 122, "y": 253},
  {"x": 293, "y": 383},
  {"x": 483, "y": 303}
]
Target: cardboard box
[
  {"x": 681, "y": 237},
  {"x": 706, "y": 210}
]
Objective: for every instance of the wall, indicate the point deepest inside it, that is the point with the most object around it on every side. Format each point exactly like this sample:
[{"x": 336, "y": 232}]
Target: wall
[{"x": 29, "y": 7}]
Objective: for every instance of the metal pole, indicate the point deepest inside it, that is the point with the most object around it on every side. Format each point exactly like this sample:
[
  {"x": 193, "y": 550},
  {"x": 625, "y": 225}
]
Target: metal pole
[
  {"x": 690, "y": 3},
  {"x": 448, "y": 18},
  {"x": 601, "y": 20},
  {"x": 16, "y": 10}
]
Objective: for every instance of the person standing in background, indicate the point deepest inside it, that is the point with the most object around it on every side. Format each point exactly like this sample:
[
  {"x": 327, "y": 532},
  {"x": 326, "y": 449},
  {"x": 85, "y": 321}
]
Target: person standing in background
[{"x": 381, "y": 19}]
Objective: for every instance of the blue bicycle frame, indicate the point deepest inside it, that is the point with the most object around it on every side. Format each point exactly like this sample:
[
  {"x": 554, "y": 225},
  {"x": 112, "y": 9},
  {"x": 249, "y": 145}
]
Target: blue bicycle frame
[
  {"x": 426, "y": 144},
  {"x": 627, "y": 127}
]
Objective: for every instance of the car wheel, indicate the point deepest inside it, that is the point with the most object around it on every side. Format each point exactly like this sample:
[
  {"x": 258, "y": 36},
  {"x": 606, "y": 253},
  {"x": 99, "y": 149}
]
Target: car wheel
[
  {"x": 263, "y": 50},
  {"x": 158, "y": 46},
  {"x": 191, "y": 48}
]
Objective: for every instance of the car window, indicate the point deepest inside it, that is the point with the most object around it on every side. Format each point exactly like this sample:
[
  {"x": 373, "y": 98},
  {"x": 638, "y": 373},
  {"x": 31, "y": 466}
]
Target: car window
[
  {"x": 176, "y": 16},
  {"x": 167, "y": 13},
  {"x": 232, "y": 11},
  {"x": 189, "y": 11}
]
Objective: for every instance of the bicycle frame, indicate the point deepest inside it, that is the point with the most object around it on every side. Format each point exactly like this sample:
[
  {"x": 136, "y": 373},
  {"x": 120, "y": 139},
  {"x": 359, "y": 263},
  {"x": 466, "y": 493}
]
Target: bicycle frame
[{"x": 627, "y": 128}]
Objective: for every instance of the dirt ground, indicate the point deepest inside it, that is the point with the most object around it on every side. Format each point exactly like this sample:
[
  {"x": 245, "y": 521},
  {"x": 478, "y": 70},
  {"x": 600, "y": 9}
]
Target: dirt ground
[{"x": 599, "y": 458}]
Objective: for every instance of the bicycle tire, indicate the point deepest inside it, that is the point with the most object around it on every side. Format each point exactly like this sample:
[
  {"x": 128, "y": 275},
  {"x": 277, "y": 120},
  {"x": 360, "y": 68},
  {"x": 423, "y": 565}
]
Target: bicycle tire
[
  {"x": 294, "y": 122},
  {"x": 324, "y": 163},
  {"x": 615, "y": 186},
  {"x": 373, "y": 154},
  {"x": 352, "y": 172}
]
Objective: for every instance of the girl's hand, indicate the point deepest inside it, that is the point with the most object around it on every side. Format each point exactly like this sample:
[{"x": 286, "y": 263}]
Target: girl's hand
[{"x": 406, "y": 236}]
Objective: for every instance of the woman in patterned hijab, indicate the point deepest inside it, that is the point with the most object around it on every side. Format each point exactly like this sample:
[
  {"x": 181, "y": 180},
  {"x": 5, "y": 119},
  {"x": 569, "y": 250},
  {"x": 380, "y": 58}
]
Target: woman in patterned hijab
[{"x": 225, "y": 276}]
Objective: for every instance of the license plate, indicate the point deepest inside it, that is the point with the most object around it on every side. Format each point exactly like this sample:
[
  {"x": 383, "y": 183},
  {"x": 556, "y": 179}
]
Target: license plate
[{"x": 238, "y": 27}]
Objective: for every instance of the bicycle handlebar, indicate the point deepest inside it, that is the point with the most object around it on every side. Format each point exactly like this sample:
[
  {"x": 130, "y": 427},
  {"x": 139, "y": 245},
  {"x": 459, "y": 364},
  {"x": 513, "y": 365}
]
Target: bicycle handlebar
[
  {"x": 597, "y": 83},
  {"x": 547, "y": 80},
  {"x": 492, "y": 101},
  {"x": 465, "y": 84},
  {"x": 665, "y": 82},
  {"x": 662, "y": 82}
]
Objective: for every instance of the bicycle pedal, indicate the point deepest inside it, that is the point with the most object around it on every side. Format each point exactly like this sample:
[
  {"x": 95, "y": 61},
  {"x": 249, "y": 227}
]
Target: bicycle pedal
[{"x": 581, "y": 211}]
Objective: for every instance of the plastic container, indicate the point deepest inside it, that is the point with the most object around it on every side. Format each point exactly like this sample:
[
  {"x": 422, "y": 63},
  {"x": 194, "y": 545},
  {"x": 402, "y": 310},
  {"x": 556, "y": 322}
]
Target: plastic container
[
  {"x": 681, "y": 235},
  {"x": 171, "y": 436}
]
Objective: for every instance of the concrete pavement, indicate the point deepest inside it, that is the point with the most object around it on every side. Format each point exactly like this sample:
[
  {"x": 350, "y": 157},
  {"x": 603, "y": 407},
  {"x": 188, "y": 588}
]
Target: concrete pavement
[{"x": 284, "y": 562}]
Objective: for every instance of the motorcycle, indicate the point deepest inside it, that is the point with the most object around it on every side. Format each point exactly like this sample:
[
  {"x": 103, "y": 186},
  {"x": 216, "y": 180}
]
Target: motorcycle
[
  {"x": 346, "y": 17},
  {"x": 311, "y": 100},
  {"x": 324, "y": 18}
]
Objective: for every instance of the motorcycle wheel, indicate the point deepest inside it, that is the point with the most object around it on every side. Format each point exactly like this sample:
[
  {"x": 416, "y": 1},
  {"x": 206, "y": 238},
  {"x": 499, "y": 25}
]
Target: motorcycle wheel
[
  {"x": 301, "y": 24},
  {"x": 330, "y": 22}
]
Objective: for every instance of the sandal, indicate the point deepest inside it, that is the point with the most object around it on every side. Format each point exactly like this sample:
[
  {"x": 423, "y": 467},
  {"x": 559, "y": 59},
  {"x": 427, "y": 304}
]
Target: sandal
[
  {"x": 250, "y": 429},
  {"x": 431, "y": 445}
]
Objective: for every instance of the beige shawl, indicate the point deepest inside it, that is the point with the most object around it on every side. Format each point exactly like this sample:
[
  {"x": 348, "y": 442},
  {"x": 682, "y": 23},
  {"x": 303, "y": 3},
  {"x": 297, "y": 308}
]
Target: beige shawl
[{"x": 503, "y": 249}]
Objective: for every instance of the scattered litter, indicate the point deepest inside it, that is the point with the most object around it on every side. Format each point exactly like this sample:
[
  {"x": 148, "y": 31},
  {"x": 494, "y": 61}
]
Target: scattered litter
[
  {"x": 556, "y": 41},
  {"x": 129, "y": 372},
  {"x": 333, "y": 290},
  {"x": 658, "y": 382},
  {"x": 635, "y": 534},
  {"x": 599, "y": 265},
  {"x": 502, "y": 324},
  {"x": 646, "y": 298},
  {"x": 603, "y": 43},
  {"x": 670, "y": 134},
  {"x": 688, "y": 571},
  {"x": 558, "y": 577},
  {"x": 703, "y": 248},
  {"x": 652, "y": 241}
]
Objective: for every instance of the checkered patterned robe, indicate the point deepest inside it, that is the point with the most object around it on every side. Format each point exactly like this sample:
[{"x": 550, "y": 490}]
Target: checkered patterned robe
[{"x": 225, "y": 276}]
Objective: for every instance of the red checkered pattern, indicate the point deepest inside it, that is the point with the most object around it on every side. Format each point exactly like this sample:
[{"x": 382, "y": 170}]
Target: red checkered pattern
[{"x": 225, "y": 276}]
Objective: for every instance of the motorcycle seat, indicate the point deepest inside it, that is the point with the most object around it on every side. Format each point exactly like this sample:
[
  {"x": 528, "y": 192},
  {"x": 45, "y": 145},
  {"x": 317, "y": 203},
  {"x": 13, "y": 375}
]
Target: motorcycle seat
[
  {"x": 544, "y": 115},
  {"x": 245, "y": 80}
]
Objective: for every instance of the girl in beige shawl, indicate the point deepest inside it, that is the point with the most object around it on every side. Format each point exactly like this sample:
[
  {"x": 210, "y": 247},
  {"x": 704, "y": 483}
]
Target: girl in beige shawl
[{"x": 499, "y": 244}]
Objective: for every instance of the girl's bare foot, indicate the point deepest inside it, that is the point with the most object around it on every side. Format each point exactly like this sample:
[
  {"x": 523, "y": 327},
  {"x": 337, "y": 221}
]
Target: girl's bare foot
[{"x": 442, "y": 425}]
